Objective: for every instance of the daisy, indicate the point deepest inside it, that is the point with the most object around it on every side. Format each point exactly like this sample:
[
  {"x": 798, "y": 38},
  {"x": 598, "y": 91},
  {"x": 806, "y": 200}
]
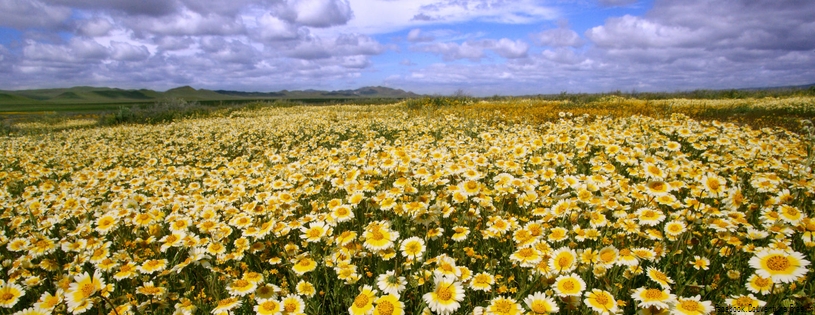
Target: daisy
[
  {"x": 267, "y": 291},
  {"x": 391, "y": 284},
  {"x": 482, "y": 282},
  {"x": 126, "y": 271},
  {"x": 648, "y": 216},
  {"x": 32, "y": 311},
  {"x": 657, "y": 188},
  {"x": 78, "y": 296},
  {"x": 293, "y": 304},
  {"x": 700, "y": 263},
  {"x": 303, "y": 265},
  {"x": 389, "y": 304},
  {"x": 48, "y": 301},
  {"x": 563, "y": 260},
  {"x": 184, "y": 307},
  {"x": 607, "y": 256},
  {"x": 504, "y": 306},
  {"x": 413, "y": 248},
  {"x": 569, "y": 285},
  {"x": 10, "y": 293},
  {"x": 153, "y": 265},
  {"x": 151, "y": 290},
  {"x": 674, "y": 228},
  {"x": 660, "y": 278},
  {"x": 460, "y": 234},
  {"x": 601, "y": 302},
  {"x": 713, "y": 184},
  {"x": 650, "y": 297},
  {"x": 526, "y": 257},
  {"x": 446, "y": 296},
  {"x": 744, "y": 303},
  {"x": 759, "y": 284},
  {"x": 538, "y": 303},
  {"x": 363, "y": 303},
  {"x": 692, "y": 306},
  {"x": 268, "y": 307},
  {"x": 227, "y": 305},
  {"x": 314, "y": 232},
  {"x": 379, "y": 236},
  {"x": 241, "y": 287},
  {"x": 780, "y": 266},
  {"x": 305, "y": 288},
  {"x": 342, "y": 213}
]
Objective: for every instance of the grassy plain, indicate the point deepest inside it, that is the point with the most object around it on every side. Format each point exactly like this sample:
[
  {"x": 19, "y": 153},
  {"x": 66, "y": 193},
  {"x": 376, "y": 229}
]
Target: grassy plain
[{"x": 432, "y": 205}]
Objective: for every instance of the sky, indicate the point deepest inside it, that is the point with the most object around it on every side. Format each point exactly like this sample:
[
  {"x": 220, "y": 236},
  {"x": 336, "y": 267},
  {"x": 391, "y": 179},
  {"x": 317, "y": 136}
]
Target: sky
[{"x": 480, "y": 47}]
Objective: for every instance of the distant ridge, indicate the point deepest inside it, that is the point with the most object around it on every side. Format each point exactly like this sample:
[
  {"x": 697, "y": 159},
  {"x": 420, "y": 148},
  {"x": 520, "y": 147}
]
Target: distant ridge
[{"x": 105, "y": 95}]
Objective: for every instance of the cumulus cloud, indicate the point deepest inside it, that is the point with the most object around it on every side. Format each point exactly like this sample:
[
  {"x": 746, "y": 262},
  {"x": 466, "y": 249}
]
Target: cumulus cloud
[
  {"x": 510, "y": 49},
  {"x": 322, "y": 13},
  {"x": 94, "y": 27},
  {"x": 558, "y": 37},
  {"x": 128, "y": 7},
  {"x": 128, "y": 52},
  {"x": 23, "y": 14},
  {"x": 415, "y": 35},
  {"x": 500, "y": 11}
]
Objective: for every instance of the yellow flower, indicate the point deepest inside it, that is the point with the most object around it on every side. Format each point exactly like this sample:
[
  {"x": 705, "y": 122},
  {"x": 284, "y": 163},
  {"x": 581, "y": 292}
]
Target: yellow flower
[
  {"x": 10, "y": 293},
  {"x": 504, "y": 306},
  {"x": 569, "y": 285},
  {"x": 413, "y": 248},
  {"x": 305, "y": 288},
  {"x": 78, "y": 296},
  {"x": 303, "y": 265},
  {"x": 659, "y": 277},
  {"x": 744, "y": 303},
  {"x": 601, "y": 302},
  {"x": 227, "y": 305},
  {"x": 268, "y": 307},
  {"x": 153, "y": 265},
  {"x": 692, "y": 306},
  {"x": 538, "y": 303},
  {"x": 482, "y": 282},
  {"x": 241, "y": 287},
  {"x": 389, "y": 305},
  {"x": 446, "y": 295},
  {"x": 778, "y": 265},
  {"x": 563, "y": 260},
  {"x": 363, "y": 303},
  {"x": 650, "y": 297},
  {"x": 759, "y": 284}
]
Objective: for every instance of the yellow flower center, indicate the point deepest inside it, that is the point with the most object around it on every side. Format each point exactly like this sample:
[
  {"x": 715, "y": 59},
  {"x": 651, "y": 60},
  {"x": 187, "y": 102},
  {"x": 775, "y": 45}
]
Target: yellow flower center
[
  {"x": 778, "y": 263},
  {"x": 304, "y": 262},
  {"x": 385, "y": 308},
  {"x": 290, "y": 306},
  {"x": 88, "y": 289},
  {"x": 743, "y": 303},
  {"x": 564, "y": 261},
  {"x": 314, "y": 233},
  {"x": 444, "y": 293},
  {"x": 240, "y": 283},
  {"x": 269, "y": 305},
  {"x": 6, "y": 296},
  {"x": 361, "y": 300},
  {"x": 568, "y": 285},
  {"x": 601, "y": 299},
  {"x": 690, "y": 306},
  {"x": 539, "y": 306},
  {"x": 526, "y": 252},
  {"x": 762, "y": 282},
  {"x": 503, "y": 306},
  {"x": 653, "y": 294},
  {"x": 377, "y": 235}
]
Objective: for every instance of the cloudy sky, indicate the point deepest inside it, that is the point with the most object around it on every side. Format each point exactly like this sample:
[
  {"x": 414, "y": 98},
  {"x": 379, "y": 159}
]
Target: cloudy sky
[{"x": 483, "y": 47}]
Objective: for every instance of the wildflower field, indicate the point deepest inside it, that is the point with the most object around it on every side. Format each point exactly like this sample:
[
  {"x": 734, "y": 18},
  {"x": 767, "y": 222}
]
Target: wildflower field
[{"x": 486, "y": 208}]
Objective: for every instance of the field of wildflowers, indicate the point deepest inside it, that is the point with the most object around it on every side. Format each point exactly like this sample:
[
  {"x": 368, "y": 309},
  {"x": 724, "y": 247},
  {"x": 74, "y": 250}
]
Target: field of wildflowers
[{"x": 480, "y": 208}]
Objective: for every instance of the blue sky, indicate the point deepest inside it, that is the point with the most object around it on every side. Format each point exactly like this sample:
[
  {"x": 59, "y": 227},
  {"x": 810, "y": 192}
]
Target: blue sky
[{"x": 483, "y": 47}]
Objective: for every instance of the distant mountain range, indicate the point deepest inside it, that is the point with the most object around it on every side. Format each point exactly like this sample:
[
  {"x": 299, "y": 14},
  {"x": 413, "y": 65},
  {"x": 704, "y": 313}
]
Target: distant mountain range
[{"x": 86, "y": 94}]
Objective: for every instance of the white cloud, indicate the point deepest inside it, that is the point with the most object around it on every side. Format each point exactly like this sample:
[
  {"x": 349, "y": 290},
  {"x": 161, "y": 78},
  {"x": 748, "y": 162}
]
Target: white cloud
[
  {"x": 511, "y": 49},
  {"x": 127, "y": 52},
  {"x": 631, "y": 31},
  {"x": 95, "y": 27},
  {"x": 32, "y": 13},
  {"x": 558, "y": 37},
  {"x": 415, "y": 35},
  {"x": 471, "y": 50},
  {"x": 322, "y": 13},
  {"x": 272, "y": 28}
]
